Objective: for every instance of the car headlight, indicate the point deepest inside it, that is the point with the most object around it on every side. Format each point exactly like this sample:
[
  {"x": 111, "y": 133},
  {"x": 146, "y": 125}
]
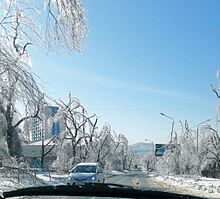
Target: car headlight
[{"x": 93, "y": 178}]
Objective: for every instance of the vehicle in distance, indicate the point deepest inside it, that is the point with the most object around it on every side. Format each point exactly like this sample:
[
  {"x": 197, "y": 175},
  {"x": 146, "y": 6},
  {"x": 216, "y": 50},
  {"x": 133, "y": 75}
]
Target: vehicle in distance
[{"x": 86, "y": 172}]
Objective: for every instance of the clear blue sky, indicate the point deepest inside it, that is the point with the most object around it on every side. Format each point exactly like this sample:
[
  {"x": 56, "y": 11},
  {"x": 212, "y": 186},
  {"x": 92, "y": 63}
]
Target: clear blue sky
[{"x": 141, "y": 58}]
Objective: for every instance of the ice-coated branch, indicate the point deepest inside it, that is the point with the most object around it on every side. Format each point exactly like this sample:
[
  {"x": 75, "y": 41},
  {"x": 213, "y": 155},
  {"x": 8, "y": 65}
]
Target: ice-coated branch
[{"x": 215, "y": 91}]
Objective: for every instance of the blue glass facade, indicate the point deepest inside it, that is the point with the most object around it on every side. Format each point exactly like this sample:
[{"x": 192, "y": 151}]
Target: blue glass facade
[
  {"x": 54, "y": 110},
  {"x": 55, "y": 128},
  {"x": 55, "y": 125},
  {"x": 38, "y": 129}
]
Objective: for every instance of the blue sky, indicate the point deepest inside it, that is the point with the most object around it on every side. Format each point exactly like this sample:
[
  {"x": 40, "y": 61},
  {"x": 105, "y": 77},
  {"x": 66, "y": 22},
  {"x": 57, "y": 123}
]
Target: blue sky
[{"x": 141, "y": 58}]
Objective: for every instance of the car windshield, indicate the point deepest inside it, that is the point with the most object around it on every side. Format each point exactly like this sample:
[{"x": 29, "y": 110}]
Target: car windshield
[
  {"x": 85, "y": 169},
  {"x": 122, "y": 92}
]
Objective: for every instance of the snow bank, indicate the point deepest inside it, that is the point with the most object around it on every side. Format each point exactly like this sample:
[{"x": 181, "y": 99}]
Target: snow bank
[
  {"x": 208, "y": 187},
  {"x": 52, "y": 178},
  {"x": 10, "y": 183},
  {"x": 43, "y": 178},
  {"x": 114, "y": 173}
]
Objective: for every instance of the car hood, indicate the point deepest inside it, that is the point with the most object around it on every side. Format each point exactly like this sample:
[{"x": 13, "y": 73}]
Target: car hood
[
  {"x": 82, "y": 175},
  {"x": 93, "y": 189}
]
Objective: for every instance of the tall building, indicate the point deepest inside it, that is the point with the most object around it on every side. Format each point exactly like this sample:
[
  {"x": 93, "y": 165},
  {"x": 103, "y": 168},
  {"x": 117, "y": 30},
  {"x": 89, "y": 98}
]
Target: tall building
[
  {"x": 47, "y": 127},
  {"x": 36, "y": 130},
  {"x": 52, "y": 128}
]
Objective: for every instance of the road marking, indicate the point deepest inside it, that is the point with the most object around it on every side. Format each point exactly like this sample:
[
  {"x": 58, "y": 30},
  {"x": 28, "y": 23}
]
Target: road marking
[{"x": 136, "y": 181}]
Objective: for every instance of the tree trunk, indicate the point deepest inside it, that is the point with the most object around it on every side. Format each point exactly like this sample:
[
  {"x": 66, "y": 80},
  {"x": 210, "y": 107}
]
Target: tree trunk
[
  {"x": 214, "y": 170},
  {"x": 74, "y": 152},
  {"x": 42, "y": 154},
  {"x": 129, "y": 165},
  {"x": 14, "y": 145}
]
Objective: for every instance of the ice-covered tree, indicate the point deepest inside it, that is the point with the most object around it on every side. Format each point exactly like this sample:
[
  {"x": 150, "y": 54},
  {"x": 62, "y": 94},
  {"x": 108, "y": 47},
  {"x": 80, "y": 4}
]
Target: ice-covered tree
[
  {"x": 112, "y": 149},
  {"x": 212, "y": 147},
  {"x": 81, "y": 141},
  {"x": 17, "y": 88},
  {"x": 78, "y": 127},
  {"x": 183, "y": 156},
  {"x": 47, "y": 24},
  {"x": 148, "y": 161}
]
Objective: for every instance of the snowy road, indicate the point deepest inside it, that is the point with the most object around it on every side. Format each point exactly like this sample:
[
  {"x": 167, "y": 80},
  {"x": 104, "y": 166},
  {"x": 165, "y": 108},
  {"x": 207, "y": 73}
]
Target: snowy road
[
  {"x": 135, "y": 178},
  {"x": 141, "y": 180}
]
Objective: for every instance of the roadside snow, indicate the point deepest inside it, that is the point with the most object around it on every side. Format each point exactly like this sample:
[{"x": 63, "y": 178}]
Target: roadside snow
[
  {"x": 41, "y": 178},
  {"x": 52, "y": 178},
  {"x": 7, "y": 185},
  {"x": 11, "y": 183},
  {"x": 208, "y": 187},
  {"x": 116, "y": 172}
]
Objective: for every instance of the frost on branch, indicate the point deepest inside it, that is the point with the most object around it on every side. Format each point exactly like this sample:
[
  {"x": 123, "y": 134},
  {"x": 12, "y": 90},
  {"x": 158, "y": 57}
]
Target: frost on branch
[
  {"x": 193, "y": 152},
  {"x": 52, "y": 22},
  {"x": 17, "y": 86},
  {"x": 17, "y": 82},
  {"x": 65, "y": 23},
  {"x": 81, "y": 141}
]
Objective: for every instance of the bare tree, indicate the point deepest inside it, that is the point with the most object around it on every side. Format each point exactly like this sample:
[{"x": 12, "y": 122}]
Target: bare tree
[
  {"x": 85, "y": 155},
  {"x": 111, "y": 149},
  {"x": 103, "y": 143},
  {"x": 148, "y": 161},
  {"x": 74, "y": 119},
  {"x": 213, "y": 147},
  {"x": 46, "y": 148},
  {"x": 81, "y": 141}
]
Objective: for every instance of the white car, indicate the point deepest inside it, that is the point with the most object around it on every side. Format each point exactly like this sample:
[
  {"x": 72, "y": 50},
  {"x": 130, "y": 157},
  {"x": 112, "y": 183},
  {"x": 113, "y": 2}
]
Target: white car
[{"x": 86, "y": 172}]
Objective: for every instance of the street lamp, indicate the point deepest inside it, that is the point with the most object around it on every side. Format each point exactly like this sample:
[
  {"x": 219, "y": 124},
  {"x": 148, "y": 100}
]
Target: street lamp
[
  {"x": 197, "y": 132},
  {"x": 150, "y": 141},
  {"x": 163, "y": 114}
]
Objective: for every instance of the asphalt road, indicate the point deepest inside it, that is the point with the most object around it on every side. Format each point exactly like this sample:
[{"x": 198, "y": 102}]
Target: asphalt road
[{"x": 135, "y": 178}]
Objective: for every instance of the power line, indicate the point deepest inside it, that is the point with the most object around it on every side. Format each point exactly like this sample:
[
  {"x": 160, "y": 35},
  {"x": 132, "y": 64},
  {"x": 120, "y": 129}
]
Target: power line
[{"x": 151, "y": 109}]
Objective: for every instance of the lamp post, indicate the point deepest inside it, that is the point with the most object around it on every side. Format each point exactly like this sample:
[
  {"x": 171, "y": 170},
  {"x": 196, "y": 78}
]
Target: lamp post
[
  {"x": 150, "y": 141},
  {"x": 197, "y": 133},
  {"x": 172, "y": 128}
]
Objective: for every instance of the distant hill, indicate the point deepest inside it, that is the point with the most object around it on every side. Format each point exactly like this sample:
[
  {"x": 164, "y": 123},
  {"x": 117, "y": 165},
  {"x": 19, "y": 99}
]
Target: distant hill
[{"x": 141, "y": 148}]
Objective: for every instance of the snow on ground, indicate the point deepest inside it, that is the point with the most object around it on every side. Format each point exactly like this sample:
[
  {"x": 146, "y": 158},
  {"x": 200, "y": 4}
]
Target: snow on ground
[
  {"x": 52, "y": 178},
  {"x": 6, "y": 184},
  {"x": 114, "y": 172},
  {"x": 201, "y": 186},
  {"x": 11, "y": 183},
  {"x": 41, "y": 178}
]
